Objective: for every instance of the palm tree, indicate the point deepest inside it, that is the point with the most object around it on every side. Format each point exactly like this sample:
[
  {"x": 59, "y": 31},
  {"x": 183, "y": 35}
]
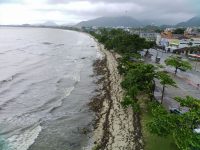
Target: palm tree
[{"x": 165, "y": 80}]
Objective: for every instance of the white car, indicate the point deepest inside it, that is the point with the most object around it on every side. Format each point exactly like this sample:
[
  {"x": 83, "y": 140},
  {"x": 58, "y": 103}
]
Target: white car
[{"x": 197, "y": 130}]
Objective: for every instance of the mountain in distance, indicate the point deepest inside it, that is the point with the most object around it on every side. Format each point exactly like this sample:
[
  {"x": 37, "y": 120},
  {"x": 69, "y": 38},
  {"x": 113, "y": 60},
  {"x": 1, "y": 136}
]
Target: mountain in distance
[
  {"x": 193, "y": 22},
  {"x": 49, "y": 23},
  {"x": 125, "y": 21}
]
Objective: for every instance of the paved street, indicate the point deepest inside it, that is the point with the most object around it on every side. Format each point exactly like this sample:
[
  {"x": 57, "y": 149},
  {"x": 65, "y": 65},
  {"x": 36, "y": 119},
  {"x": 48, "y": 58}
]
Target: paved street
[
  {"x": 186, "y": 82},
  {"x": 190, "y": 77}
]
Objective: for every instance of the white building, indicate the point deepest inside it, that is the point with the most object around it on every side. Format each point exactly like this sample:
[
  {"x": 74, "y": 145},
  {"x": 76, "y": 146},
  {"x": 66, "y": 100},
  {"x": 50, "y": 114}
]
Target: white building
[
  {"x": 158, "y": 39},
  {"x": 173, "y": 44},
  {"x": 189, "y": 43}
]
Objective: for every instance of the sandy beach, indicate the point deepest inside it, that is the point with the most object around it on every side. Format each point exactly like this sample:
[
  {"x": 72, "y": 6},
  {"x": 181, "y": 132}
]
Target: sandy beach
[{"x": 116, "y": 128}]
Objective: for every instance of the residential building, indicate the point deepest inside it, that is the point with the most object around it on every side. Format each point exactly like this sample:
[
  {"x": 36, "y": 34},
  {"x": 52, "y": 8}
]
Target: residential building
[
  {"x": 192, "y": 33},
  {"x": 158, "y": 39},
  {"x": 169, "y": 29},
  {"x": 149, "y": 36},
  {"x": 171, "y": 41}
]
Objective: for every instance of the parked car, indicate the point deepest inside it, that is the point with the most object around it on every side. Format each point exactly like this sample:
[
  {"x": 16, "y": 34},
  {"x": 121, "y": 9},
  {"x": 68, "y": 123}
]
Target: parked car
[
  {"x": 197, "y": 130},
  {"x": 183, "y": 69},
  {"x": 176, "y": 110}
]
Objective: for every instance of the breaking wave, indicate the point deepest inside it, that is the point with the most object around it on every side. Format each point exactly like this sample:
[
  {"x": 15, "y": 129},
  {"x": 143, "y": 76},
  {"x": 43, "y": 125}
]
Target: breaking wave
[{"x": 25, "y": 139}]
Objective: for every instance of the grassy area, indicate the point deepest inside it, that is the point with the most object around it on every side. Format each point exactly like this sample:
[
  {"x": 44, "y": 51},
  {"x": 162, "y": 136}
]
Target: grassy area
[{"x": 154, "y": 142}]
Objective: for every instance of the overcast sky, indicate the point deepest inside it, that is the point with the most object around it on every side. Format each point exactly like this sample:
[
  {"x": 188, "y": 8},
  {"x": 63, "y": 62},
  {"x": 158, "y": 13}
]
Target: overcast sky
[{"x": 73, "y": 11}]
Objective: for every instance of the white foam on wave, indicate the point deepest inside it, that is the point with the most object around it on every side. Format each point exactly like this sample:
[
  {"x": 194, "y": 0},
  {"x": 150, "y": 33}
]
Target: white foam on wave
[
  {"x": 68, "y": 91},
  {"x": 90, "y": 145},
  {"x": 99, "y": 54},
  {"x": 74, "y": 76},
  {"x": 24, "y": 140}
]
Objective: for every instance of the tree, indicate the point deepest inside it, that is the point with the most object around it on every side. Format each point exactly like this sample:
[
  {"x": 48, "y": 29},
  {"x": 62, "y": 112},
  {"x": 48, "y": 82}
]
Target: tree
[
  {"x": 165, "y": 80},
  {"x": 180, "y": 126},
  {"x": 142, "y": 77},
  {"x": 129, "y": 101},
  {"x": 178, "y": 63},
  {"x": 179, "y": 31},
  {"x": 138, "y": 78},
  {"x": 161, "y": 122},
  {"x": 121, "y": 41},
  {"x": 125, "y": 63},
  {"x": 190, "y": 44}
]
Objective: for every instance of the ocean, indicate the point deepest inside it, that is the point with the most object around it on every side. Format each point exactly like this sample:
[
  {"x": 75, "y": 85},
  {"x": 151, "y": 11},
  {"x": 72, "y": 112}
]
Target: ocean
[{"x": 46, "y": 82}]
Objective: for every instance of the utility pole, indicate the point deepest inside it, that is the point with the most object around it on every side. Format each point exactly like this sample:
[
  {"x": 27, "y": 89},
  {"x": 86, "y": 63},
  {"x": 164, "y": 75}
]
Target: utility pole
[{"x": 196, "y": 65}]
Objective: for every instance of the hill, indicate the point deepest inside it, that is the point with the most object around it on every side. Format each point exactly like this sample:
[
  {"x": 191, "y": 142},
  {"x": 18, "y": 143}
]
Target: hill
[
  {"x": 49, "y": 23},
  {"x": 111, "y": 22},
  {"x": 193, "y": 22}
]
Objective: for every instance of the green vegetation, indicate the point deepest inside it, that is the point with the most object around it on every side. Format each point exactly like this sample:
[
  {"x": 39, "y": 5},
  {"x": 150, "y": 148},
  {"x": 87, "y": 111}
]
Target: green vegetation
[
  {"x": 139, "y": 78},
  {"x": 179, "y": 31},
  {"x": 161, "y": 129},
  {"x": 121, "y": 41},
  {"x": 97, "y": 147},
  {"x": 153, "y": 141},
  {"x": 190, "y": 44},
  {"x": 179, "y": 126},
  {"x": 165, "y": 80},
  {"x": 178, "y": 63},
  {"x": 151, "y": 28}
]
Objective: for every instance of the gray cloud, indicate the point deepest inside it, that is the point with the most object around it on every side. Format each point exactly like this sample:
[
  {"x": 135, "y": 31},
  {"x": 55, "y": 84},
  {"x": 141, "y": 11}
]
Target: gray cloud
[
  {"x": 171, "y": 11},
  {"x": 9, "y": 1}
]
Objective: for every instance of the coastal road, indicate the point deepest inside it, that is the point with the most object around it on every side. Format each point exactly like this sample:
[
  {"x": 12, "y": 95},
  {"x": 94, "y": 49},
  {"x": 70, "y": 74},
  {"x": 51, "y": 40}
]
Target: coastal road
[{"x": 186, "y": 81}]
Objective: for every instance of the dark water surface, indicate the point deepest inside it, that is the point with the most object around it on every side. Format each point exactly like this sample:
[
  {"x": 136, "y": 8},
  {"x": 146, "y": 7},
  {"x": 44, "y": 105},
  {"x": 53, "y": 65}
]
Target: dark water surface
[{"x": 45, "y": 85}]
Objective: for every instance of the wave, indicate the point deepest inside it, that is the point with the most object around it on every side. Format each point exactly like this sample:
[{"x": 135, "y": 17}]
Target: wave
[
  {"x": 73, "y": 76},
  {"x": 99, "y": 55},
  {"x": 17, "y": 49},
  {"x": 77, "y": 78},
  {"x": 11, "y": 78},
  {"x": 9, "y": 100},
  {"x": 49, "y": 106},
  {"x": 59, "y": 45},
  {"x": 5, "y": 104},
  {"x": 67, "y": 92},
  {"x": 47, "y": 43},
  {"x": 23, "y": 140},
  {"x": 12, "y": 99}
]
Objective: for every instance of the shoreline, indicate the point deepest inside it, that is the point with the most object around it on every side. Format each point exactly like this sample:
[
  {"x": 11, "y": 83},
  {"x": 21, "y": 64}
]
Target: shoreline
[{"x": 115, "y": 127}]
